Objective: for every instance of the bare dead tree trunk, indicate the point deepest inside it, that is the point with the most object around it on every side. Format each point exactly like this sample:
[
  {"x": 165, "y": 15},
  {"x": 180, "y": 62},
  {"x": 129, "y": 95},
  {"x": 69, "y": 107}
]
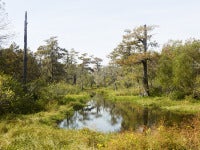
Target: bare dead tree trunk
[{"x": 25, "y": 51}]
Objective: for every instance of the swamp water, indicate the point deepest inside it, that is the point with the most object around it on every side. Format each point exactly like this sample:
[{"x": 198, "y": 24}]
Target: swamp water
[{"x": 107, "y": 116}]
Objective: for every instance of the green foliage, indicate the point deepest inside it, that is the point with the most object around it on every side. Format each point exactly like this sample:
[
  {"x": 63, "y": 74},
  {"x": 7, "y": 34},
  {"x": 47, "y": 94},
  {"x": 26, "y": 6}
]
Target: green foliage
[
  {"x": 188, "y": 105},
  {"x": 133, "y": 51},
  {"x": 156, "y": 91},
  {"x": 83, "y": 97},
  {"x": 26, "y": 135},
  {"x": 10, "y": 93},
  {"x": 177, "y": 95},
  {"x": 57, "y": 91},
  {"x": 13, "y": 99},
  {"x": 179, "y": 69},
  {"x": 184, "y": 73},
  {"x": 164, "y": 74},
  {"x": 55, "y": 94},
  {"x": 11, "y": 63},
  {"x": 77, "y": 105}
]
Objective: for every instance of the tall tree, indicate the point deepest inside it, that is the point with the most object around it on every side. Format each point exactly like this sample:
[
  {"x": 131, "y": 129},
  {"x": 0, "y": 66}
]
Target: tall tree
[
  {"x": 134, "y": 50},
  {"x": 97, "y": 63},
  {"x": 97, "y": 73},
  {"x": 144, "y": 61},
  {"x": 70, "y": 66},
  {"x": 49, "y": 56},
  {"x": 84, "y": 69}
]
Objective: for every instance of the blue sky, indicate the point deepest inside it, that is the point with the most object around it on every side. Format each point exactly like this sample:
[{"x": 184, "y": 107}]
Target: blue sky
[{"x": 97, "y": 26}]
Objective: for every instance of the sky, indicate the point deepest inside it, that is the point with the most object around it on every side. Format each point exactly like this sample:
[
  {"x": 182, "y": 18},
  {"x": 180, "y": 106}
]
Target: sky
[{"x": 96, "y": 27}]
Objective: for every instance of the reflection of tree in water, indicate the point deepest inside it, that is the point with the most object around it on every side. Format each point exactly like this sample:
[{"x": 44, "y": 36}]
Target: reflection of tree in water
[
  {"x": 84, "y": 114},
  {"x": 98, "y": 108},
  {"x": 132, "y": 116},
  {"x": 109, "y": 107},
  {"x": 114, "y": 115},
  {"x": 113, "y": 120},
  {"x": 70, "y": 122},
  {"x": 135, "y": 117},
  {"x": 129, "y": 115},
  {"x": 145, "y": 116}
]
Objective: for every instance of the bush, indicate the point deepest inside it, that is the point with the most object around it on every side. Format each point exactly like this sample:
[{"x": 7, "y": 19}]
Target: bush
[
  {"x": 73, "y": 98},
  {"x": 13, "y": 99},
  {"x": 156, "y": 91},
  {"x": 26, "y": 104},
  {"x": 177, "y": 95},
  {"x": 57, "y": 91},
  {"x": 10, "y": 93}
]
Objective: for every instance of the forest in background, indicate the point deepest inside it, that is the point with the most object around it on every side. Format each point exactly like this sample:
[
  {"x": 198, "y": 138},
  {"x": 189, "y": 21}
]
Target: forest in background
[{"x": 134, "y": 65}]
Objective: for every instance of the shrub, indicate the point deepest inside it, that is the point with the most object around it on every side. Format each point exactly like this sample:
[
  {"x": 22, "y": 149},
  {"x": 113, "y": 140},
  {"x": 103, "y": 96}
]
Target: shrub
[
  {"x": 156, "y": 91},
  {"x": 177, "y": 95},
  {"x": 73, "y": 98},
  {"x": 10, "y": 93},
  {"x": 13, "y": 99},
  {"x": 57, "y": 91}
]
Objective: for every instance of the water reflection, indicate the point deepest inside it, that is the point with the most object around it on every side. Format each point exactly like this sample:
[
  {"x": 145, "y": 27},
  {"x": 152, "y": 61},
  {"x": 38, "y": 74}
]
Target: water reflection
[
  {"x": 107, "y": 116},
  {"x": 97, "y": 116}
]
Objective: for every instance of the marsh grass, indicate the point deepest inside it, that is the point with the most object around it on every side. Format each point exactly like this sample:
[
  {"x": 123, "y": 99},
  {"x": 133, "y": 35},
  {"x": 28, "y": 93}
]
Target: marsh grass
[
  {"x": 27, "y": 133},
  {"x": 162, "y": 138},
  {"x": 187, "y": 105},
  {"x": 40, "y": 131}
]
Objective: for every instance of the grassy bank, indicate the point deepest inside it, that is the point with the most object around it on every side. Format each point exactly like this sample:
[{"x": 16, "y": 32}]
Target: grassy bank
[
  {"x": 28, "y": 132},
  {"x": 187, "y": 105},
  {"x": 184, "y": 106},
  {"x": 40, "y": 131}
]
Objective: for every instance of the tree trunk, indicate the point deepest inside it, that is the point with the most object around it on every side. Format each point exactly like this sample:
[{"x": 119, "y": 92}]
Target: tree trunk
[
  {"x": 25, "y": 51},
  {"x": 82, "y": 86},
  {"x": 115, "y": 86},
  {"x": 145, "y": 78},
  {"x": 144, "y": 63},
  {"x": 74, "y": 79}
]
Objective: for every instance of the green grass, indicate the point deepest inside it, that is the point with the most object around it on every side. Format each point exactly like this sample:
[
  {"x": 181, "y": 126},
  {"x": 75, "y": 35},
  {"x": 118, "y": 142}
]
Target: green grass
[
  {"x": 26, "y": 132},
  {"x": 40, "y": 131},
  {"x": 23, "y": 134},
  {"x": 188, "y": 105},
  {"x": 83, "y": 97}
]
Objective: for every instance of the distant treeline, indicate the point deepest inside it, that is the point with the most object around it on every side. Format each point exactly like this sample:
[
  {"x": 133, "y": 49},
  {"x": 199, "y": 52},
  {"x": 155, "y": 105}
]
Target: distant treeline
[{"x": 134, "y": 64}]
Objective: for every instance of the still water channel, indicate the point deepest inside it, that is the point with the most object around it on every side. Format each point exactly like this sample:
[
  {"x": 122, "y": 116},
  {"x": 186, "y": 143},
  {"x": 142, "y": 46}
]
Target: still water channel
[{"x": 108, "y": 116}]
